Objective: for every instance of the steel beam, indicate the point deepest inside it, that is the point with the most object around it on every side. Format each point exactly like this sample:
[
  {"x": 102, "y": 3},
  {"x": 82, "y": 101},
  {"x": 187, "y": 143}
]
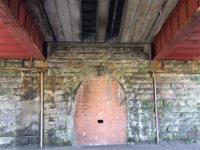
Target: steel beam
[
  {"x": 65, "y": 18},
  {"x": 76, "y": 23},
  {"x": 128, "y": 20},
  {"x": 48, "y": 22},
  {"x": 102, "y": 19},
  {"x": 180, "y": 33},
  {"x": 17, "y": 40}
]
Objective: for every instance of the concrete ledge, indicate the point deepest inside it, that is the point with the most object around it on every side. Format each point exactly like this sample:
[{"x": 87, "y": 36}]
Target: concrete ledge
[{"x": 119, "y": 147}]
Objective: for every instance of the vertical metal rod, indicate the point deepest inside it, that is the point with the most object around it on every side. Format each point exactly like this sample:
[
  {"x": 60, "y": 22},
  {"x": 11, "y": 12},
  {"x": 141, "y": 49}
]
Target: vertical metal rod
[
  {"x": 156, "y": 109},
  {"x": 41, "y": 107}
]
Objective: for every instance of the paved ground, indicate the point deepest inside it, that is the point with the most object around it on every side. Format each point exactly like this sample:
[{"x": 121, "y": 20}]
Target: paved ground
[{"x": 123, "y": 147}]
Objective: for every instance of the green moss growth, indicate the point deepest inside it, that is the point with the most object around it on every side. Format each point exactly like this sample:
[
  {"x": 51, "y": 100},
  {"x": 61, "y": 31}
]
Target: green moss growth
[
  {"x": 68, "y": 143},
  {"x": 195, "y": 79},
  {"x": 10, "y": 74},
  {"x": 3, "y": 92}
]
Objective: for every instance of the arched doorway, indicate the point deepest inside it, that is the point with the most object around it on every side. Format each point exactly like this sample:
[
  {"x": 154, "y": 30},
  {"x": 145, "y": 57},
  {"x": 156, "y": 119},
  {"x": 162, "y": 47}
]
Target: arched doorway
[{"x": 100, "y": 117}]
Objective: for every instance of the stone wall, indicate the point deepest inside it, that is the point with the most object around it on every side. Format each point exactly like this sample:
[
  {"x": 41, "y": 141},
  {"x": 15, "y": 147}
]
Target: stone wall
[
  {"x": 178, "y": 97},
  {"x": 19, "y": 107},
  {"x": 178, "y": 93},
  {"x": 179, "y": 107},
  {"x": 69, "y": 67}
]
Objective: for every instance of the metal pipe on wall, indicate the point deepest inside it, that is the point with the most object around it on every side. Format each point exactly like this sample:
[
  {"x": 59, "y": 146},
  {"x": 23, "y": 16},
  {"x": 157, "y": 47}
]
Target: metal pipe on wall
[
  {"x": 156, "y": 108},
  {"x": 41, "y": 107}
]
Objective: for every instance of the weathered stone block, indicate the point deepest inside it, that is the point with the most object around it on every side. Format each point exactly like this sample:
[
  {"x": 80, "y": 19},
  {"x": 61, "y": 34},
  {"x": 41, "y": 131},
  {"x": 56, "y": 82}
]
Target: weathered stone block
[
  {"x": 172, "y": 128},
  {"x": 7, "y": 140},
  {"x": 23, "y": 140}
]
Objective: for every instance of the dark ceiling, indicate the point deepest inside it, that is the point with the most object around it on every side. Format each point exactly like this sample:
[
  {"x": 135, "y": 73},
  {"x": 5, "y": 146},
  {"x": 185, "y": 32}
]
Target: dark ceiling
[{"x": 130, "y": 21}]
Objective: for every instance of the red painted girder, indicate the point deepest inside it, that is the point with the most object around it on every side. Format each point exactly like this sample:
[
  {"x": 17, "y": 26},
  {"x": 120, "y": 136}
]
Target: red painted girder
[
  {"x": 182, "y": 39},
  {"x": 184, "y": 56},
  {"x": 15, "y": 43},
  {"x": 181, "y": 32},
  {"x": 187, "y": 44}
]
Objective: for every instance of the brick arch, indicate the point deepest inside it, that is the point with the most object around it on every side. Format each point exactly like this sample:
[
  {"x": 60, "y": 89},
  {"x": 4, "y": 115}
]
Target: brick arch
[{"x": 100, "y": 115}]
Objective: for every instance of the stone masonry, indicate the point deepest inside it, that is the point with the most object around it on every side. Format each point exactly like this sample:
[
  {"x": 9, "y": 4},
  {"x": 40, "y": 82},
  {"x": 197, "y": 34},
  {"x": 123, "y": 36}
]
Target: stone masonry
[
  {"x": 179, "y": 107},
  {"x": 69, "y": 67},
  {"x": 19, "y": 113}
]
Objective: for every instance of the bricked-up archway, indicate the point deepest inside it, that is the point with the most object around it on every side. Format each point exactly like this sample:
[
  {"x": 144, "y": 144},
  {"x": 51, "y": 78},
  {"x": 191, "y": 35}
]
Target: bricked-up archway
[{"x": 100, "y": 117}]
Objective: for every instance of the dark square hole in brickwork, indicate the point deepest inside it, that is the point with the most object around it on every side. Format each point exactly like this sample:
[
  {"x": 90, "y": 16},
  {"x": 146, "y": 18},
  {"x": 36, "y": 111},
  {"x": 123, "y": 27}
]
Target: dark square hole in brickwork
[{"x": 100, "y": 121}]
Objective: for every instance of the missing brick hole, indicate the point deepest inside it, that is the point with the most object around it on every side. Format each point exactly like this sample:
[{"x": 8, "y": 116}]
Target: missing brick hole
[{"x": 100, "y": 121}]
